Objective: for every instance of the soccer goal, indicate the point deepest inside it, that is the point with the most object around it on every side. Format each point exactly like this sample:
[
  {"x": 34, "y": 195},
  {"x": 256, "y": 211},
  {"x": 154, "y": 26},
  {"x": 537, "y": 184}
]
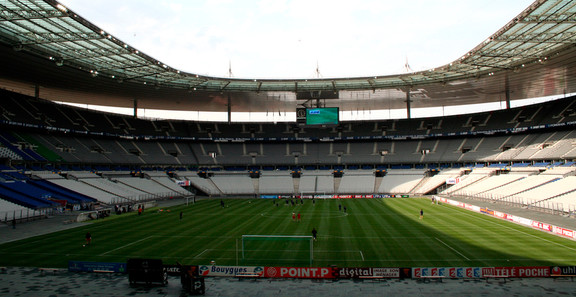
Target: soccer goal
[{"x": 277, "y": 249}]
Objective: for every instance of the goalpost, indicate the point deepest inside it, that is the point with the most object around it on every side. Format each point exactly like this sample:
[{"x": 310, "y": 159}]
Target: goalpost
[{"x": 257, "y": 247}]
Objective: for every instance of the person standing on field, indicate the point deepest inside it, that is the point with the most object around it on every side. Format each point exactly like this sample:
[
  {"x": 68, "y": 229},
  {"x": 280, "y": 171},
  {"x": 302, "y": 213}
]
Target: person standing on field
[
  {"x": 314, "y": 233},
  {"x": 88, "y": 237}
]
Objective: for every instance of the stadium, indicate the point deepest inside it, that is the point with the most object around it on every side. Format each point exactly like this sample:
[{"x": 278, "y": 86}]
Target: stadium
[{"x": 395, "y": 180}]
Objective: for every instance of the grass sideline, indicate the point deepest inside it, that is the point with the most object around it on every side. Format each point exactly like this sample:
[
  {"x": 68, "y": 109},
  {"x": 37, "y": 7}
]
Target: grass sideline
[{"x": 372, "y": 233}]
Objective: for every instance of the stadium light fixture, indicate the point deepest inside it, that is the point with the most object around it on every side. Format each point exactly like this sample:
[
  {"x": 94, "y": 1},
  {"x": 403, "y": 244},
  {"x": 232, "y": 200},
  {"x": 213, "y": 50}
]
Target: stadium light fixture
[{"x": 61, "y": 7}]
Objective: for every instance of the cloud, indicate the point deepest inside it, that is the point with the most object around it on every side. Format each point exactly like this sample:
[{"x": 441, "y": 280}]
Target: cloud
[{"x": 288, "y": 38}]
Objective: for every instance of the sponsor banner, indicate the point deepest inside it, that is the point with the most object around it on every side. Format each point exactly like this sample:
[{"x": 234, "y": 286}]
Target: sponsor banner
[
  {"x": 173, "y": 270},
  {"x": 382, "y": 196},
  {"x": 405, "y": 272},
  {"x": 183, "y": 183},
  {"x": 354, "y": 272},
  {"x": 519, "y": 220},
  {"x": 269, "y": 196},
  {"x": 541, "y": 226},
  {"x": 442, "y": 199},
  {"x": 452, "y": 181},
  {"x": 300, "y": 272},
  {"x": 386, "y": 272},
  {"x": 500, "y": 215},
  {"x": 516, "y": 219},
  {"x": 529, "y": 271},
  {"x": 343, "y": 196},
  {"x": 562, "y": 270},
  {"x": 448, "y": 272},
  {"x": 513, "y": 218},
  {"x": 81, "y": 266},
  {"x": 564, "y": 232},
  {"x": 215, "y": 270},
  {"x": 360, "y": 272},
  {"x": 177, "y": 270},
  {"x": 524, "y": 221},
  {"x": 455, "y": 203},
  {"x": 472, "y": 207}
]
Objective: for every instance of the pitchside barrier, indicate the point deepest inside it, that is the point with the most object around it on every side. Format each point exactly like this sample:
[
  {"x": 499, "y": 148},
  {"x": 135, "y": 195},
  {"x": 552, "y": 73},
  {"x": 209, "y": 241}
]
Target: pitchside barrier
[
  {"x": 386, "y": 272},
  {"x": 334, "y": 272},
  {"x": 331, "y": 196},
  {"x": 560, "y": 231}
]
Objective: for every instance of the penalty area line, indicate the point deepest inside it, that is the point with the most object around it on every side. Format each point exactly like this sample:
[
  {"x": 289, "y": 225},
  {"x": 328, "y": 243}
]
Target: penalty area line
[
  {"x": 453, "y": 249},
  {"x": 126, "y": 245},
  {"x": 202, "y": 253}
]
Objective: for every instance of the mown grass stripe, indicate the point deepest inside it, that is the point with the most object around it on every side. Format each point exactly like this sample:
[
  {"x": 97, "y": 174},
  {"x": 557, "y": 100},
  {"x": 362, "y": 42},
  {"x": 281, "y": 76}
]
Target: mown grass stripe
[{"x": 373, "y": 232}]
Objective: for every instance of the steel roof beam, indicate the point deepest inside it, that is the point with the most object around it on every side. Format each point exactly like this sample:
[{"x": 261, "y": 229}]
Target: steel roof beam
[
  {"x": 8, "y": 15},
  {"x": 568, "y": 37},
  {"x": 36, "y": 38}
]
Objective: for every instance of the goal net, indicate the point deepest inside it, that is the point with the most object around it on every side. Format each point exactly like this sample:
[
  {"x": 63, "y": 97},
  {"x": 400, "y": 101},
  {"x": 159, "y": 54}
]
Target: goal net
[{"x": 279, "y": 249}]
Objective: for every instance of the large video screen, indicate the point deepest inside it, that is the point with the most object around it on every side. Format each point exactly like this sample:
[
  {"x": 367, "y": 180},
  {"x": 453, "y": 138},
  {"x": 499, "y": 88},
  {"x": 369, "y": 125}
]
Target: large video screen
[{"x": 322, "y": 116}]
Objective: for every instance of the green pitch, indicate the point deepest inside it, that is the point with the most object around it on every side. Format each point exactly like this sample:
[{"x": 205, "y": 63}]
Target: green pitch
[{"x": 373, "y": 232}]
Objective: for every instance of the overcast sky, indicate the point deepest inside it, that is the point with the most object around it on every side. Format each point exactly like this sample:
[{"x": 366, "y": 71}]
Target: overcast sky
[{"x": 290, "y": 38}]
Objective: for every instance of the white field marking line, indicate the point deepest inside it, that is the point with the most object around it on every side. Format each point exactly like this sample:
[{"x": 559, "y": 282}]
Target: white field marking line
[
  {"x": 126, "y": 245},
  {"x": 381, "y": 260},
  {"x": 459, "y": 253},
  {"x": 361, "y": 255},
  {"x": 378, "y": 237},
  {"x": 192, "y": 236},
  {"x": 39, "y": 240},
  {"x": 289, "y": 214},
  {"x": 520, "y": 231},
  {"x": 275, "y": 259},
  {"x": 303, "y": 251},
  {"x": 202, "y": 253},
  {"x": 332, "y": 251},
  {"x": 462, "y": 227}
]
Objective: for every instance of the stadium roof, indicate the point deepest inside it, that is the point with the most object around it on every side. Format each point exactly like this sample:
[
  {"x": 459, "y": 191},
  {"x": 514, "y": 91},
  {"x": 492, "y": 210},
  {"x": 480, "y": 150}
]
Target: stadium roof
[{"x": 56, "y": 54}]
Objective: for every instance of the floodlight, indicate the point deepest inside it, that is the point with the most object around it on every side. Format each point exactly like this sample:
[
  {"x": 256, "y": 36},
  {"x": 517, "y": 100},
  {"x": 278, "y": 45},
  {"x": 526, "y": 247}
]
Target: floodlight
[{"x": 61, "y": 7}]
